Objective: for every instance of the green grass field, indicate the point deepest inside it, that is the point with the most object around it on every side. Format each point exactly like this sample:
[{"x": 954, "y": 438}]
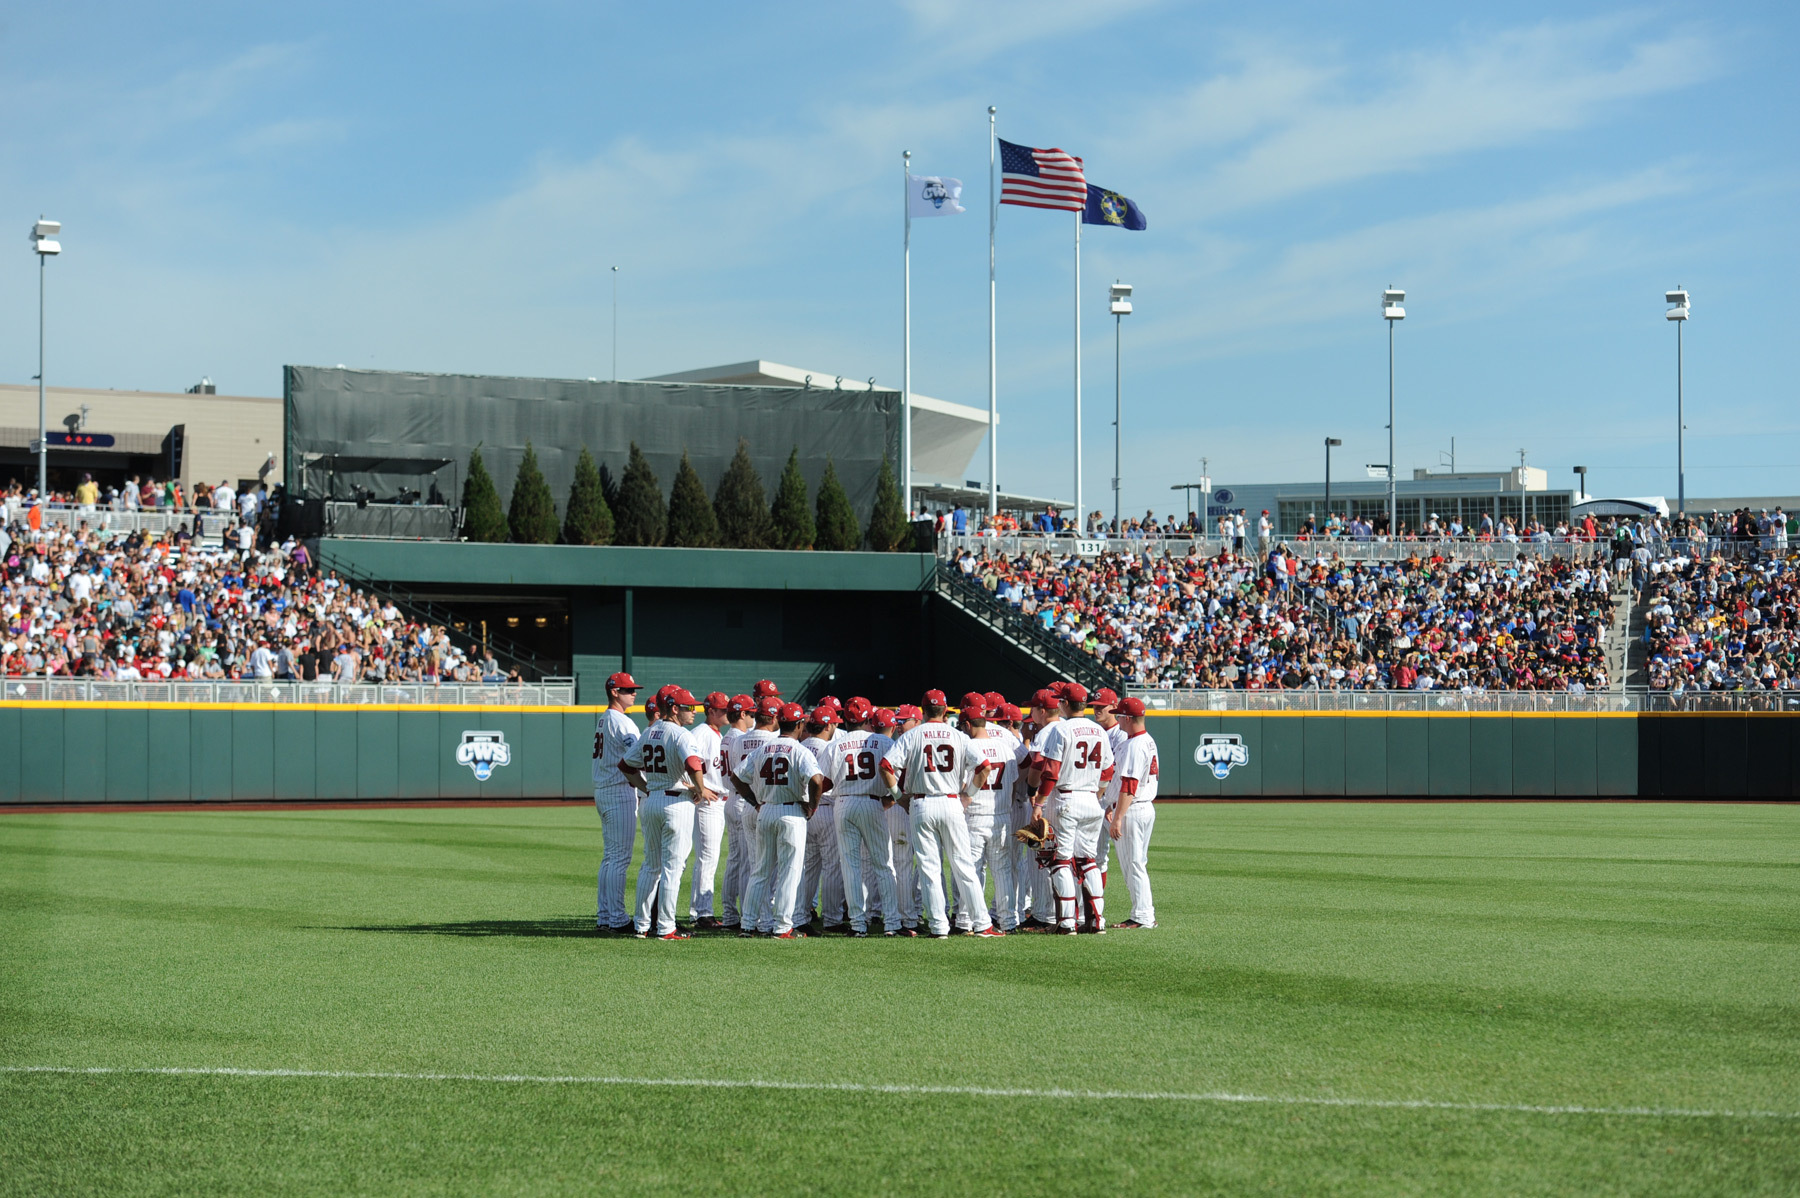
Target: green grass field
[{"x": 1639, "y": 961}]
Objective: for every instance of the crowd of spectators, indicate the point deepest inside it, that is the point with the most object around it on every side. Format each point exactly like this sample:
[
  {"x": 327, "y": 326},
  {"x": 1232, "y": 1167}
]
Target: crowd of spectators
[
  {"x": 127, "y": 606},
  {"x": 1721, "y": 623},
  {"x": 1312, "y": 620}
]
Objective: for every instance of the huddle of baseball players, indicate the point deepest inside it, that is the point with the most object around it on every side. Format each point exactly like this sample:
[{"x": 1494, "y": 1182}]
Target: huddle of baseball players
[{"x": 853, "y": 814}]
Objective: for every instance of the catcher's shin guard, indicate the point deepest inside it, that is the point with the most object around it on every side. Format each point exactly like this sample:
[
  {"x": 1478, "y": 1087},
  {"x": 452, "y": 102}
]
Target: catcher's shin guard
[
  {"x": 1062, "y": 889},
  {"x": 1093, "y": 891}
]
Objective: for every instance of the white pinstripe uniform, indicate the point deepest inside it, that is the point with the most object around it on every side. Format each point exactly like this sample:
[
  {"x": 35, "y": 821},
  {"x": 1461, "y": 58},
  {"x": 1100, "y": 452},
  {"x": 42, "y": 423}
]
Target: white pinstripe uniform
[
  {"x": 617, "y": 802},
  {"x": 664, "y": 754},
  {"x": 1139, "y": 762},
  {"x": 709, "y": 821},
  {"x": 1083, "y": 752},
  {"x": 989, "y": 819},
  {"x": 737, "y": 844},
  {"x": 778, "y": 772},
  {"x": 865, "y": 846},
  {"x": 1043, "y": 902},
  {"x": 937, "y": 763},
  {"x": 1109, "y": 794},
  {"x": 821, "y": 873},
  {"x": 745, "y": 843}
]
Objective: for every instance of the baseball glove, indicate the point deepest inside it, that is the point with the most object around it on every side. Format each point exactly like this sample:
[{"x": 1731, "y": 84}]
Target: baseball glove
[{"x": 1036, "y": 833}]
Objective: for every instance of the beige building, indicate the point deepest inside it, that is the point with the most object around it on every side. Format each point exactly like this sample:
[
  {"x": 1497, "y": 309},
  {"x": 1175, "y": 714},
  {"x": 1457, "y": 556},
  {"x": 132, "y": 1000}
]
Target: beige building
[{"x": 194, "y": 436}]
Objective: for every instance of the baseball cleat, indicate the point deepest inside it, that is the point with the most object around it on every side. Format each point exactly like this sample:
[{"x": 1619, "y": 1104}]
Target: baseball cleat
[
  {"x": 990, "y": 933},
  {"x": 1132, "y": 923},
  {"x": 908, "y": 932},
  {"x": 640, "y": 935},
  {"x": 743, "y": 935},
  {"x": 859, "y": 935},
  {"x": 940, "y": 935},
  {"x": 1064, "y": 931},
  {"x": 790, "y": 934},
  {"x": 677, "y": 934}
]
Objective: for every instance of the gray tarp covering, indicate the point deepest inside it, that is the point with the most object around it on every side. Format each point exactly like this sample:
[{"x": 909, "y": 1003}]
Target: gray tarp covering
[{"x": 375, "y": 414}]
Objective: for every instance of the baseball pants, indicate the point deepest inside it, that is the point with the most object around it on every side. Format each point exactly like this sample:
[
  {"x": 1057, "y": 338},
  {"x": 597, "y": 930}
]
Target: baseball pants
[
  {"x": 863, "y": 837},
  {"x": 740, "y": 856},
  {"x": 668, "y": 824},
  {"x": 821, "y": 876},
  {"x": 938, "y": 831},
  {"x": 1134, "y": 858},
  {"x": 1024, "y": 863},
  {"x": 905, "y": 912},
  {"x": 709, "y": 832},
  {"x": 866, "y": 875},
  {"x": 775, "y": 886},
  {"x": 618, "y": 808},
  {"x": 990, "y": 852},
  {"x": 1076, "y": 819}
]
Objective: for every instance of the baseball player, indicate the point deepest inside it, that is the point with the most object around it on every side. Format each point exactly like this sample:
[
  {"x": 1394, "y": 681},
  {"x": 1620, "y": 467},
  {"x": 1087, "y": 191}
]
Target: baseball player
[
  {"x": 737, "y": 847},
  {"x": 1046, "y": 710},
  {"x": 906, "y": 873},
  {"x": 785, "y": 777},
  {"x": 939, "y": 766},
  {"x": 616, "y": 799},
  {"x": 670, "y": 767},
  {"x": 1105, "y": 703},
  {"x": 987, "y": 811},
  {"x": 764, "y": 731},
  {"x": 821, "y": 875},
  {"x": 865, "y": 846},
  {"x": 1135, "y": 816},
  {"x": 1077, "y": 762},
  {"x": 709, "y": 814}
]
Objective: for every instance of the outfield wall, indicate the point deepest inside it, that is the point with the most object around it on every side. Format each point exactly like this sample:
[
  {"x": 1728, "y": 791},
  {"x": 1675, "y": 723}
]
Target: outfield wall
[{"x": 164, "y": 753}]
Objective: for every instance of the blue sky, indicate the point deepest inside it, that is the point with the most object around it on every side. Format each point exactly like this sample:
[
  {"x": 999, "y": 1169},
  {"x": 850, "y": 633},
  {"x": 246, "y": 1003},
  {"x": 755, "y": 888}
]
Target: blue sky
[{"x": 444, "y": 187}]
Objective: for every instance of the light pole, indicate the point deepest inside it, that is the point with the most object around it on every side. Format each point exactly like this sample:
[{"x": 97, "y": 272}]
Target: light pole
[
  {"x": 1391, "y": 299},
  {"x": 1581, "y": 473},
  {"x": 43, "y": 240},
  {"x": 1121, "y": 308},
  {"x": 1331, "y": 443},
  {"x": 615, "y": 372},
  {"x": 1678, "y": 312}
]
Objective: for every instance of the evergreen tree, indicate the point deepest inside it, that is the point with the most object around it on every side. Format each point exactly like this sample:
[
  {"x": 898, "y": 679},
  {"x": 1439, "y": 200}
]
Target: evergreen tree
[
  {"x": 588, "y": 520},
  {"x": 793, "y": 523},
  {"x": 640, "y": 518},
  {"x": 742, "y": 505},
  {"x": 888, "y": 529},
  {"x": 483, "y": 518},
  {"x": 837, "y": 519},
  {"x": 532, "y": 516},
  {"x": 691, "y": 519}
]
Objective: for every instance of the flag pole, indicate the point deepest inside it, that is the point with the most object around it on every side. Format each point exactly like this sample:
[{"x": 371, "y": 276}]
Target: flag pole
[
  {"x": 906, "y": 338},
  {"x": 1080, "y": 513},
  {"x": 993, "y": 369}
]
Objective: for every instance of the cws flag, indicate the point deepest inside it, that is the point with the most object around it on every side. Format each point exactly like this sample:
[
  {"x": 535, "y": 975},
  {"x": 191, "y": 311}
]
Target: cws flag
[
  {"x": 1041, "y": 178},
  {"x": 1110, "y": 208},
  {"x": 933, "y": 195}
]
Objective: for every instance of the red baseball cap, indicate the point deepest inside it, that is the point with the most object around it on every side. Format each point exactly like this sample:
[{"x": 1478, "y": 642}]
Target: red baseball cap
[
  {"x": 884, "y": 718},
  {"x": 791, "y": 713},
  {"x": 1013, "y": 714},
  {"x": 906, "y": 711},
  {"x": 976, "y": 710},
  {"x": 973, "y": 699},
  {"x": 765, "y": 689},
  {"x": 621, "y": 682},
  {"x": 858, "y": 709},
  {"x": 767, "y": 706},
  {"x": 1075, "y": 693},
  {"x": 1046, "y": 699},
  {"x": 831, "y": 701},
  {"x": 935, "y": 698},
  {"x": 740, "y": 704},
  {"x": 995, "y": 699},
  {"x": 824, "y": 714},
  {"x": 718, "y": 701},
  {"x": 1131, "y": 707},
  {"x": 1106, "y": 697},
  {"x": 675, "y": 696}
]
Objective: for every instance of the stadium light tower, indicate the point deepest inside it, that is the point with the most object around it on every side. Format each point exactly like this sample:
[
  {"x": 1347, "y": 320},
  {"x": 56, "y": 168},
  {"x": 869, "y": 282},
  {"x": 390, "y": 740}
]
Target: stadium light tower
[
  {"x": 1581, "y": 473},
  {"x": 1678, "y": 312},
  {"x": 1330, "y": 444},
  {"x": 44, "y": 241},
  {"x": 1121, "y": 308},
  {"x": 1393, "y": 313}
]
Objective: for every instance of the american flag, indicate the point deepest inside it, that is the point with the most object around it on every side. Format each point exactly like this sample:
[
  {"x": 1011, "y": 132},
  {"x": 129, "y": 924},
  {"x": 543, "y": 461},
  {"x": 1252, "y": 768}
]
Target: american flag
[{"x": 1041, "y": 178}]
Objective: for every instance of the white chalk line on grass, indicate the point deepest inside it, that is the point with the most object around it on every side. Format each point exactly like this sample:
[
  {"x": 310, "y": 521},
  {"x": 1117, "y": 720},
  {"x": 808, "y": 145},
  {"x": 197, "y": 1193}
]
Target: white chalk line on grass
[{"x": 718, "y": 1083}]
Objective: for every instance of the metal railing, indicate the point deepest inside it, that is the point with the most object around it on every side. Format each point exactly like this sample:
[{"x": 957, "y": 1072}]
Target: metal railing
[
  {"x": 1348, "y": 550},
  {"x": 1458, "y": 702},
  {"x": 560, "y": 693},
  {"x": 424, "y": 611},
  {"x": 1070, "y": 660},
  {"x": 211, "y": 522}
]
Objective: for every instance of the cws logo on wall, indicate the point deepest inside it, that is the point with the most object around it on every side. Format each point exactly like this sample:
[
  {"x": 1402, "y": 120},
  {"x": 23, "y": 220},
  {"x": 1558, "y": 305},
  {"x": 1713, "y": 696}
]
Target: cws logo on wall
[
  {"x": 1220, "y": 751},
  {"x": 483, "y": 753}
]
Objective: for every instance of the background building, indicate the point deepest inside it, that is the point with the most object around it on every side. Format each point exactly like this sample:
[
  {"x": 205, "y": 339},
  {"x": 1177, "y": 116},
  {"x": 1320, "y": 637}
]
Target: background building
[{"x": 1521, "y": 493}]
